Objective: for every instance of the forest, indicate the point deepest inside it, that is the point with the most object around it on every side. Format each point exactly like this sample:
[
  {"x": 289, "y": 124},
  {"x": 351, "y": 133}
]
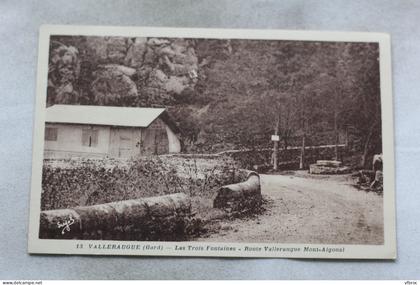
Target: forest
[{"x": 230, "y": 94}]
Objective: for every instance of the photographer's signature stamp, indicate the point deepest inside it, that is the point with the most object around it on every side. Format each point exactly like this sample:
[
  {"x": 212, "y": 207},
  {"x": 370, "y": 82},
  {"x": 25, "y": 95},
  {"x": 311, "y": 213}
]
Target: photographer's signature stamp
[{"x": 65, "y": 225}]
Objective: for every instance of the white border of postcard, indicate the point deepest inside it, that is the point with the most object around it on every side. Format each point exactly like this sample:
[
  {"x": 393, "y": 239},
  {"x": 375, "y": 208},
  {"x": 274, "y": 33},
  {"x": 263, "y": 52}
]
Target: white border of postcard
[{"x": 102, "y": 247}]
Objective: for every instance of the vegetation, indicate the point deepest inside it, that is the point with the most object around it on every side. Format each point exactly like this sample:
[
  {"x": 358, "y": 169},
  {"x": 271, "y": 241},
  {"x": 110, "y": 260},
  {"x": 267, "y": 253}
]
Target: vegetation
[{"x": 77, "y": 182}]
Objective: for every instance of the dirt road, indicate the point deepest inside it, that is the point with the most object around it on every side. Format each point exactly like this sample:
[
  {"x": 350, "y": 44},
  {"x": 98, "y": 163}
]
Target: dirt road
[{"x": 309, "y": 209}]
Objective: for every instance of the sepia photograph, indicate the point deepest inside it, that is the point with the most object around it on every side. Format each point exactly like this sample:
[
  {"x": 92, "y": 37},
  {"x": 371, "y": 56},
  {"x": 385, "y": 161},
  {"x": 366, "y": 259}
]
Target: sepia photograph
[{"x": 203, "y": 145}]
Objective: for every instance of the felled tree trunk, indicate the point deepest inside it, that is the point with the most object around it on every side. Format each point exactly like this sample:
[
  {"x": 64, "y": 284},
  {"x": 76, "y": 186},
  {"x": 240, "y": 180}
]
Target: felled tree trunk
[
  {"x": 155, "y": 218},
  {"x": 240, "y": 198}
]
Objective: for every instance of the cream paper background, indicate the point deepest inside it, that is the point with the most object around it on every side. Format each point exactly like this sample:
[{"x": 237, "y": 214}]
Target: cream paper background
[{"x": 19, "y": 25}]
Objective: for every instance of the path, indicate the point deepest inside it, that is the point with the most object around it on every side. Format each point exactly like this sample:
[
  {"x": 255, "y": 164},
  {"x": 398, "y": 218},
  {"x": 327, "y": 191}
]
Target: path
[{"x": 310, "y": 210}]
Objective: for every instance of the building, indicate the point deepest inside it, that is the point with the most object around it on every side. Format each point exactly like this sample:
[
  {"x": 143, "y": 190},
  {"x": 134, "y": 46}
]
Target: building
[{"x": 98, "y": 131}]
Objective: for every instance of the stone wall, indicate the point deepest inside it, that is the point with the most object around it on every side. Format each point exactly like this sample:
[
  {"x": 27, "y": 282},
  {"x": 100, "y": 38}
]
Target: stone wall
[{"x": 157, "y": 218}]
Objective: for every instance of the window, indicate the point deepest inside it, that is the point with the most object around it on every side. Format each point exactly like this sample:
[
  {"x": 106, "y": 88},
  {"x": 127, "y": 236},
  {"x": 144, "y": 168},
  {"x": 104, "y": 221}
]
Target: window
[
  {"x": 50, "y": 134},
  {"x": 90, "y": 137}
]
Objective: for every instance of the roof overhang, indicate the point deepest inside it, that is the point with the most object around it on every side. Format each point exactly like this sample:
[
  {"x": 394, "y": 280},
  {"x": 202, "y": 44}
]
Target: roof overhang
[{"x": 103, "y": 115}]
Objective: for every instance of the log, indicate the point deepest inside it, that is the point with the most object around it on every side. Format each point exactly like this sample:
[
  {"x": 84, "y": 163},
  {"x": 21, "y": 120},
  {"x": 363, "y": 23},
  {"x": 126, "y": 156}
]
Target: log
[
  {"x": 161, "y": 206},
  {"x": 140, "y": 216},
  {"x": 240, "y": 197},
  {"x": 51, "y": 221}
]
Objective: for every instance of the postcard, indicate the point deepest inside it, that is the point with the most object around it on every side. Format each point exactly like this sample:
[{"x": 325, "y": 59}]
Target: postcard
[{"x": 213, "y": 142}]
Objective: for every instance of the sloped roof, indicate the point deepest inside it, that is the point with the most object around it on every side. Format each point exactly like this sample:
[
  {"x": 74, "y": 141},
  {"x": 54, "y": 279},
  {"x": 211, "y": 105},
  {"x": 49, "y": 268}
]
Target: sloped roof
[{"x": 101, "y": 115}]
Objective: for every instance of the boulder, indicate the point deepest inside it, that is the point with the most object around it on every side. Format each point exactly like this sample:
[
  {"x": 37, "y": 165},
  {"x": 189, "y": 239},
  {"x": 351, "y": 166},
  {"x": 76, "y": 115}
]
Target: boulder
[
  {"x": 157, "y": 42},
  {"x": 136, "y": 53},
  {"x": 119, "y": 69},
  {"x": 109, "y": 49},
  {"x": 176, "y": 84},
  {"x": 113, "y": 83}
]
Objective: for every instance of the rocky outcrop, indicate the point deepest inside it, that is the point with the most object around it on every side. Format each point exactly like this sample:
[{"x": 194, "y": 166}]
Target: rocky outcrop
[
  {"x": 117, "y": 68},
  {"x": 63, "y": 72},
  {"x": 113, "y": 85},
  {"x": 109, "y": 49},
  {"x": 240, "y": 198},
  {"x": 170, "y": 66},
  {"x": 135, "y": 53},
  {"x": 161, "y": 65},
  {"x": 156, "y": 218}
]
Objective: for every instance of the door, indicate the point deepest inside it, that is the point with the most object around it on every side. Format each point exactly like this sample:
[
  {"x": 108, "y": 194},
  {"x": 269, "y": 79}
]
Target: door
[{"x": 125, "y": 147}]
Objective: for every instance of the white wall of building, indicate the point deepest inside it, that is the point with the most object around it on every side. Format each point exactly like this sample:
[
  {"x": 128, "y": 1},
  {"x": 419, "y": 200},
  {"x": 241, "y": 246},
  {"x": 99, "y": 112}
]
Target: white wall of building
[{"x": 69, "y": 141}]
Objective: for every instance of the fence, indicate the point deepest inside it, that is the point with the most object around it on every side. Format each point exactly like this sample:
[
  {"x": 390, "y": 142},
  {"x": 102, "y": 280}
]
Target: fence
[{"x": 260, "y": 158}]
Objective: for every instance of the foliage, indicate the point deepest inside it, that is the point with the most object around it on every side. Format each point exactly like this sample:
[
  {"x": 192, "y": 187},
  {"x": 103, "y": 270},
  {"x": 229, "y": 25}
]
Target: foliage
[{"x": 235, "y": 90}]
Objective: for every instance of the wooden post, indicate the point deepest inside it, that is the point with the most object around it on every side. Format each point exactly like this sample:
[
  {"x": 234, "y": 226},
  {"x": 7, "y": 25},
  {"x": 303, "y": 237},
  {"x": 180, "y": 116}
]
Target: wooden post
[
  {"x": 347, "y": 138},
  {"x": 336, "y": 142},
  {"x": 302, "y": 152},
  {"x": 304, "y": 124},
  {"x": 336, "y": 125},
  {"x": 276, "y": 143}
]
